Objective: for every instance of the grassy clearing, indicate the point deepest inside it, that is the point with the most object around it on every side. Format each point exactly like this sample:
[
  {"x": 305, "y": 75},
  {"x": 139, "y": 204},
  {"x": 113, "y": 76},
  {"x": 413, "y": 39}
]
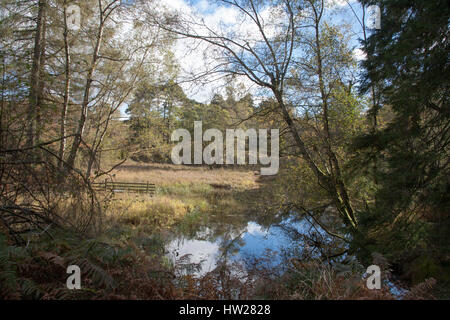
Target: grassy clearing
[
  {"x": 185, "y": 195},
  {"x": 167, "y": 175}
]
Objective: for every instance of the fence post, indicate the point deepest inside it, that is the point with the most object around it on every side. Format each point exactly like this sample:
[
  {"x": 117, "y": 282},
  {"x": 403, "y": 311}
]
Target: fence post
[{"x": 105, "y": 185}]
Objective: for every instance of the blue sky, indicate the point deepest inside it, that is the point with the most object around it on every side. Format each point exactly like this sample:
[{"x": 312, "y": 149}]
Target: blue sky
[{"x": 212, "y": 13}]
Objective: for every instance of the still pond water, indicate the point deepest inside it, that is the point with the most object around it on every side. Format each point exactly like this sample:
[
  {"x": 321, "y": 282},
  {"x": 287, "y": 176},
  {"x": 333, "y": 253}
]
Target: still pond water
[{"x": 209, "y": 245}]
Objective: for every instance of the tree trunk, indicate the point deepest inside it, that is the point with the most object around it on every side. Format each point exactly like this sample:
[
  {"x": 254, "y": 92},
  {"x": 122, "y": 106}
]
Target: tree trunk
[
  {"x": 36, "y": 83},
  {"x": 338, "y": 190},
  {"x": 84, "y": 107},
  {"x": 62, "y": 145}
]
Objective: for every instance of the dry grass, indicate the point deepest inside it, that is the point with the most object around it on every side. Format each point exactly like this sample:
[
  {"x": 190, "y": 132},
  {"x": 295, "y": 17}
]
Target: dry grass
[
  {"x": 151, "y": 214},
  {"x": 182, "y": 190},
  {"x": 167, "y": 174},
  {"x": 179, "y": 190}
]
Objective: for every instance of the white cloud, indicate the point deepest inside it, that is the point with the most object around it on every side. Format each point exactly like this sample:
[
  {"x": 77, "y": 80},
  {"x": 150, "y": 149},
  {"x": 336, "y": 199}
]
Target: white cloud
[
  {"x": 202, "y": 5},
  {"x": 255, "y": 229},
  {"x": 359, "y": 54},
  {"x": 179, "y": 5},
  {"x": 223, "y": 15},
  {"x": 199, "y": 251},
  {"x": 220, "y": 19},
  {"x": 338, "y": 3},
  {"x": 193, "y": 62}
]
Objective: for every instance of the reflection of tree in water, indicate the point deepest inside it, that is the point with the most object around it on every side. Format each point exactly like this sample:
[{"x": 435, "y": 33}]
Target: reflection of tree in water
[
  {"x": 225, "y": 228},
  {"x": 230, "y": 245},
  {"x": 220, "y": 229},
  {"x": 312, "y": 238},
  {"x": 235, "y": 273}
]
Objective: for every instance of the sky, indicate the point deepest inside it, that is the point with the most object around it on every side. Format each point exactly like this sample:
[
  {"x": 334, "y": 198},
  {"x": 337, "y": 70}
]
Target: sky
[
  {"x": 193, "y": 61},
  {"x": 212, "y": 13}
]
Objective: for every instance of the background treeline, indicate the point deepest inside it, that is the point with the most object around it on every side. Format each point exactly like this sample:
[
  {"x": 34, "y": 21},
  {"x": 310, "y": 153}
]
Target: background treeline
[{"x": 155, "y": 112}]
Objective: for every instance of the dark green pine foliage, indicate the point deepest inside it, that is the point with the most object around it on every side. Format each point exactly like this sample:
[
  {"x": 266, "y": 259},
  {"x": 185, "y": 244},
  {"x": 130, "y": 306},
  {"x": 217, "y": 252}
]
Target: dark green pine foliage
[{"x": 408, "y": 60}]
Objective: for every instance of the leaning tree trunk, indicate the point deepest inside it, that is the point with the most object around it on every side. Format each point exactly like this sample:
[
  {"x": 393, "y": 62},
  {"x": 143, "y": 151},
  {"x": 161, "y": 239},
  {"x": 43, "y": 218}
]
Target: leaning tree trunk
[
  {"x": 84, "y": 106},
  {"x": 337, "y": 187}
]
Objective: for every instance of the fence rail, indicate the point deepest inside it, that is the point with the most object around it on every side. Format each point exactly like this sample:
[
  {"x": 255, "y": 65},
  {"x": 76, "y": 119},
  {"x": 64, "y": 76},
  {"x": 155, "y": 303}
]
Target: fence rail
[{"x": 145, "y": 187}]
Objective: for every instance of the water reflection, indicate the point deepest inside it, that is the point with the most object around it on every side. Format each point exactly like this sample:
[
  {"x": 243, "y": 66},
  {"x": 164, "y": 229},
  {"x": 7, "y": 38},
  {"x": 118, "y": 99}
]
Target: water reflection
[
  {"x": 250, "y": 242},
  {"x": 237, "y": 241},
  {"x": 202, "y": 252}
]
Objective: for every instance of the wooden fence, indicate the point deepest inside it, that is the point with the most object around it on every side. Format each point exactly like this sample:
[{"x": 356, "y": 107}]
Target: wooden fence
[{"x": 112, "y": 186}]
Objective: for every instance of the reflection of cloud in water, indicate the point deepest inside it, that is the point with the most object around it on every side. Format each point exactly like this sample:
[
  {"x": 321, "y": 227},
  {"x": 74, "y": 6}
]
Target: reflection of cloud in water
[
  {"x": 256, "y": 230},
  {"x": 255, "y": 241},
  {"x": 199, "y": 250}
]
